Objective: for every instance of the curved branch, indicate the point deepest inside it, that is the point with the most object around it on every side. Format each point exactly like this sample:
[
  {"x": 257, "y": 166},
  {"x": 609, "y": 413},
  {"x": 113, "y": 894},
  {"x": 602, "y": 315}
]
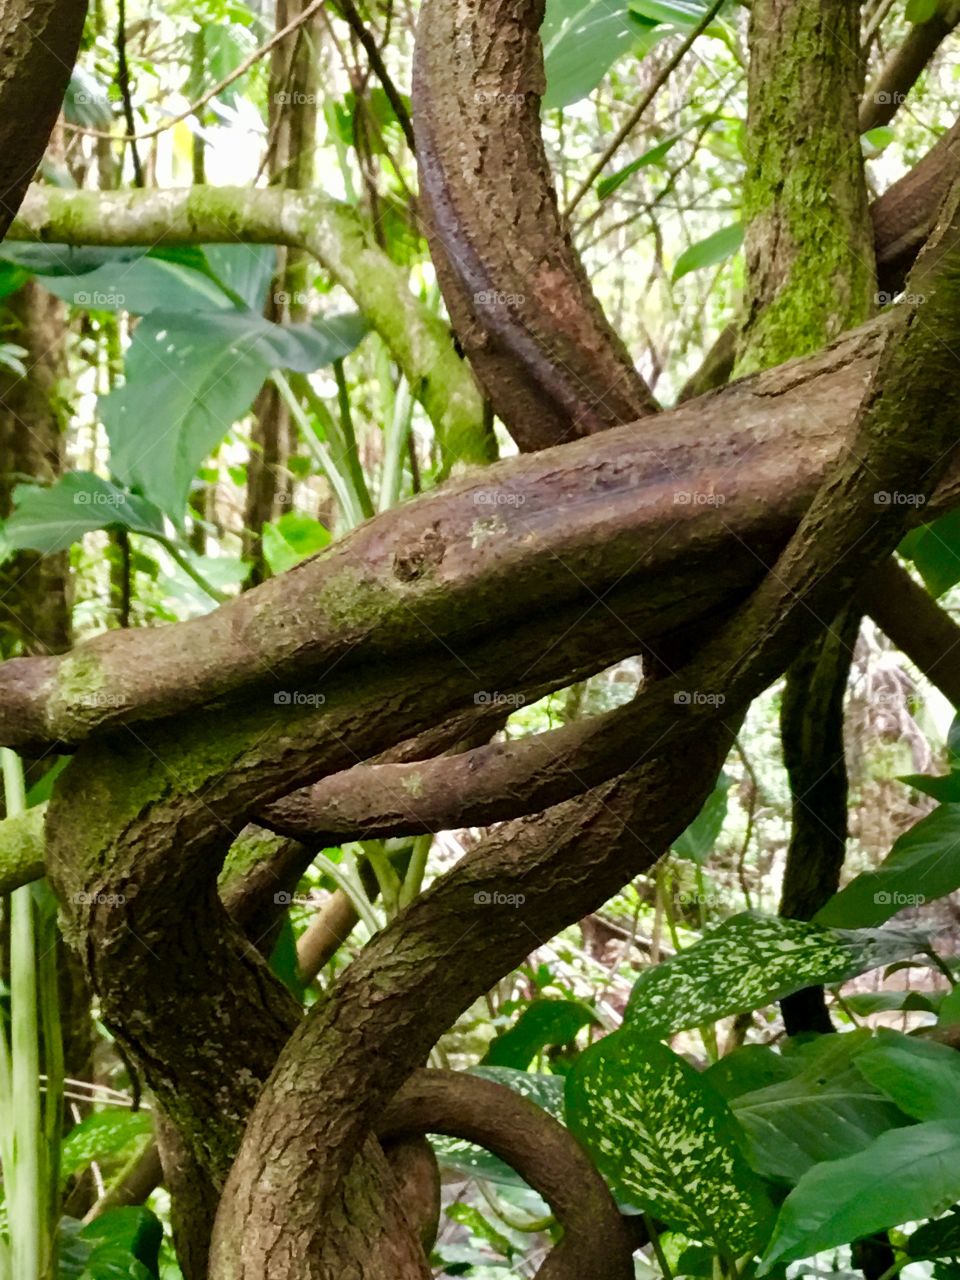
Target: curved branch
[
  {"x": 332, "y": 232},
  {"x": 728, "y": 477},
  {"x": 519, "y": 298},
  {"x": 546, "y": 1155}
]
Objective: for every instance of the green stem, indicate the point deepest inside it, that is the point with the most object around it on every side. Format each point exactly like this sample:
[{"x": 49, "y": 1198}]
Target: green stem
[
  {"x": 178, "y": 557},
  {"x": 350, "y": 504},
  {"x": 654, "y": 1235},
  {"x": 22, "y": 1179},
  {"x": 48, "y": 939},
  {"x": 354, "y": 892},
  {"x": 397, "y": 435},
  {"x": 529, "y": 1226},
  {"x": 387, "y": 878},
  {"x": 416, "y": 869},
  {"x": 351, "y": 455}
]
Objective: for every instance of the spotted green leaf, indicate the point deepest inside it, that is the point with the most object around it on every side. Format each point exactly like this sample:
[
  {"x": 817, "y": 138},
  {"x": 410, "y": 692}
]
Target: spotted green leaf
[
  {"x": 666, "y": 1141},
  {"x": 750, "y": 961}
]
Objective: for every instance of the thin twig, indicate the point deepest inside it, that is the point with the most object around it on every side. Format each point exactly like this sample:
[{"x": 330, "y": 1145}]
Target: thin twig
[
  {"x": 353, "y": 20},
  {"x": 635, "y": 116},
  {"x": 201, "y": 102}
]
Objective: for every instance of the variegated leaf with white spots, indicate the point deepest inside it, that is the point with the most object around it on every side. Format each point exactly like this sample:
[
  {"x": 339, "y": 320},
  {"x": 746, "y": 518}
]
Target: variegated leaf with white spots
[
  {"x": 750, "y": 961},
  {"x": 666, "y": 1141}
]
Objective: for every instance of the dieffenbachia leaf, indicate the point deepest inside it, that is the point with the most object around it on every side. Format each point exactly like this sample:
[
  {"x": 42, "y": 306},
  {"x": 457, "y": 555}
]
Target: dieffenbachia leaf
[
  {"x": 666, "y": 1141},
  {"x": 750, "y": 961},
  {"x": 906, "y": 1175}
]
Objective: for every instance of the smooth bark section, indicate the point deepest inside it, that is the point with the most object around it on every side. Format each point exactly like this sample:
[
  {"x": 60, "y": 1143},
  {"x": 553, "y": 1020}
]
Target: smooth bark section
[
  {"x": 519, "y": 298},
  {"x": 546, "y": 1155},
  {"x": 333, "y": 233},
  {"x": 39, "y": 39}
]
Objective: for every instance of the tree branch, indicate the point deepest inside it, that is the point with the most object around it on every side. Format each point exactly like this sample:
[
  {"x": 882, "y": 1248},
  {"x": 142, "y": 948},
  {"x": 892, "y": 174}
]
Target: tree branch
[
  {"x": 905, "y": 65},
  {"x": 333, "y": 233}
]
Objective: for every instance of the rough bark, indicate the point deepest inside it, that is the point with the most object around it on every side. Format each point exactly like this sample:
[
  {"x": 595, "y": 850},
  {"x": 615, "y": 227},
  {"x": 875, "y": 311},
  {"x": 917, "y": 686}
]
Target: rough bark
[
  {"x": 807, "y": 279},
  {"x": 40, "y": 39}
]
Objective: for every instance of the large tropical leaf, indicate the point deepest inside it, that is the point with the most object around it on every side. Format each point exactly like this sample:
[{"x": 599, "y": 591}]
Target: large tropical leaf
[
  {"x": 750, "y": 961},
  {"x": 923, "y": 864},
  {"x": 581, "y": 41},
  {"x": 666, "y": 1141},
  {"x": 906, "y": 1175},
  {"x": 49, "y": 518}
]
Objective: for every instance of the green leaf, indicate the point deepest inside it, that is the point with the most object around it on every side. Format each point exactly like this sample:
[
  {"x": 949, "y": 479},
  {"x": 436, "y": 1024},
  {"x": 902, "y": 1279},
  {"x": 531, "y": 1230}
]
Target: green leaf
[
  {"x": 825, "y": 1111},
  {"x": 666, "y": 1141},
  {"x": 101, "y": 1135},
  {"x": 865, "y": 1003},
  {"x": 291, "y": 539},
  {"x": 750, "y": 961},
  {"x": 148, "y": 284},
  {"x": 243, "y": 270},
  {"x": 680, "y": 13},
  {"x": 49, "y": 518},
  {"x": 920, "y": 1076},
  {"x": 906, "y": 1175},
  {"x": 122, "y": 1244},
  {"x": 935, "y": 550},
  {"x": 696, "y": 843},
  {"x": 943, "y": 787},
  {"x": 879, "y": 139},
  {"x": 751, "y": 1067},
  {"x": 920, "y": 10},
  {"x": 581, "y": 41},
  {"x": 949, "y": 1013},
  {"x": 936, "y": 1239},
  {"x": 472, "y": 1161},
  {"x": 717, "y": 248},
  {"x": 543, "y": 1022},
  {"x": 923, "y": 864},
  {"x": 57, "y": 260},
  {"x": 655, "y": 156}
]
